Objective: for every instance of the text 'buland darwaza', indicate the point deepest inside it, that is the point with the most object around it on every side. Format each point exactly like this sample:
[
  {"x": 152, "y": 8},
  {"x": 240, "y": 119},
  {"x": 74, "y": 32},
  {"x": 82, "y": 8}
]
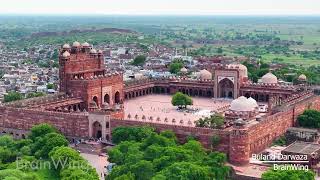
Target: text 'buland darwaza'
[{"x": 92, "y": 102}]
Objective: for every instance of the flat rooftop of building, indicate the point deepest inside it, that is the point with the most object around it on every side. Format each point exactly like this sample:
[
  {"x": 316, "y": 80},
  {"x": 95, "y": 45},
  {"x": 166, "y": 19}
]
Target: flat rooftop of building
[
  {"x": 299, "y": 129},
  {"x": 160, "y": 107},
  {"x": 302, "y": 148}
]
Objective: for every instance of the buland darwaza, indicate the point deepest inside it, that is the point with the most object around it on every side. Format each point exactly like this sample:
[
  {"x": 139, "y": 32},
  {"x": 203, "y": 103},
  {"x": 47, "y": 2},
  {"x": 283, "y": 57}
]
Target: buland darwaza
[{"x": 92, "y": 101}]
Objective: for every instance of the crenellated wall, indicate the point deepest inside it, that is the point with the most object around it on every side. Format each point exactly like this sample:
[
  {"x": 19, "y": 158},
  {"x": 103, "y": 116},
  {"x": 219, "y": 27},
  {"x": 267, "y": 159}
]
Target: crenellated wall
[
  {"x": 239, "y": 143},
  {"x": 71, "y": 125},
  {"x": 254, "y": 139}
]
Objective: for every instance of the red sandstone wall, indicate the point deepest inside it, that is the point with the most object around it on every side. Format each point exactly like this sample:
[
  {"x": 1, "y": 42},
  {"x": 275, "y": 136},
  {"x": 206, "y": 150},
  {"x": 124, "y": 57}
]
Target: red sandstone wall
[
  {"x": 261, "y": 135},
  {"x": 69, "y": 124},
  {"x": 203, "y": 134}
]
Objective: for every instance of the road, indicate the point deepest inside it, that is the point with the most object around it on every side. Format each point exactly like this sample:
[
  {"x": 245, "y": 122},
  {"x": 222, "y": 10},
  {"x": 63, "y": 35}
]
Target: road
[{"x": 97, "y": 162}]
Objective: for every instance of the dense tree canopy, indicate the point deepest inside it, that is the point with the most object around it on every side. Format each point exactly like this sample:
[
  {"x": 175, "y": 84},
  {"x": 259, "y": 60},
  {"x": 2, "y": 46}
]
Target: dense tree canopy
[
  {"x": 309, "y": 118},
  {"x": 130, "y": 133},
  {"x": 21, "y": 159},
  {"x": 160, "y": 157},
  {"x": 73, "y": 166},
  {"x": 175, "y": 66},
  {"x": 288, "y": 175},
  {"x": 13, "y": 96},
  {"x": 254, "y": 72},
  {"x": 181, "y": 100},
  {"x": 35, "y": 94},
  {"x": 139, "y": 60}
]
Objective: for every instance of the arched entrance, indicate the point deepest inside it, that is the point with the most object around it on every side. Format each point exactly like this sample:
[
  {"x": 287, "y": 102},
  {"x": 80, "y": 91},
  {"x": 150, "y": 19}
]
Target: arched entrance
[
  {"x": 95, "y": 99},
  {"x": 106, "y": 99},
  {"x": 226, "y": 88},
  {"x": 97, "y": 130},
  {"x": 117, "y": 97}
]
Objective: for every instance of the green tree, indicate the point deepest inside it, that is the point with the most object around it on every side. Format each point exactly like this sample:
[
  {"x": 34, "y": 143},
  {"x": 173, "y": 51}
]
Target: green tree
[
  {"x": 184, "y": 170},
  {"x": 158, "y": 156},
  {"x": 143, "y": 170},
  {"x": 181, "y": 100},
  {"x": 49, "y": 142},
  {"x": 130, "y": 134},
  {"x": 35, "y": 94},
  {"x": 176, "y": 66},
  {"x": 139, "y": 60},
  {"x": 12, "y": 96},
  {"x": 15, "y": 174},
  {"x": 41, "y": 130},
  {"x": 215, "y": 141},
  {"x": 288, "y": 175},
  {"x": 310, "y": 118},
  {"x": 50, "y": 86},
  {"x": 215, "y": 121},
  {"x": 73, "y": 166}
]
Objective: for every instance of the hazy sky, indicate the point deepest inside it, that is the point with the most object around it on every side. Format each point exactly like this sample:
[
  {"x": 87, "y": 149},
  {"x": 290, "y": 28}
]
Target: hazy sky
[{"x": 202, "y": 7}]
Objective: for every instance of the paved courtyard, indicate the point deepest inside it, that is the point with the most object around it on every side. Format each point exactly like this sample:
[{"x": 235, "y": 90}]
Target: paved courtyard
[{"x": 158, "y": 108}]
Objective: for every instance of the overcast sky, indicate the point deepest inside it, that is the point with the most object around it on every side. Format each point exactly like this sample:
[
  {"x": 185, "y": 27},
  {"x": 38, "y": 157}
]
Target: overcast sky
[{"x": 155, "y": 7}]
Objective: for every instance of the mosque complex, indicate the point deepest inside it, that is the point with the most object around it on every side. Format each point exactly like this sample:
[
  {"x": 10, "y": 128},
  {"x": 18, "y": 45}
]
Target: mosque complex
[{"x": 92, "y": 101}]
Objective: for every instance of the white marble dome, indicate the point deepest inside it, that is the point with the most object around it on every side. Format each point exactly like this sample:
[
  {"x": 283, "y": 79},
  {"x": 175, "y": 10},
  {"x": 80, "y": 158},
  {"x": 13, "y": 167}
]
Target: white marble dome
[
  {"x": 93, "y": 51},
  {"x": 183, "y": 70},
  {"x": 243, "y": 104},
  {"x": 204, "y": 74},
  {"x": 269, "y": 78},
  {"x": 76, "y": 44},
  {"x": 85, "y": 44},
  {"x": 66, "y": 46},
  {"x": 302, "y": 77},
  {"x": 253, "y": 102},
  {"x": 66, "y": 54}
]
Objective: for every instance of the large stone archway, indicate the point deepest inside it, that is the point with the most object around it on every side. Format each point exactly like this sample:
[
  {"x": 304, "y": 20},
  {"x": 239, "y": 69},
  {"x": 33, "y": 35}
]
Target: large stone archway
[
  {"x": 97, "y": 130},
  {"x": 226, "y": 88},
  {"x": 106, "y": 99},
  {"x": 117, "y": 98},
  {"x": 99, "y": 126}
]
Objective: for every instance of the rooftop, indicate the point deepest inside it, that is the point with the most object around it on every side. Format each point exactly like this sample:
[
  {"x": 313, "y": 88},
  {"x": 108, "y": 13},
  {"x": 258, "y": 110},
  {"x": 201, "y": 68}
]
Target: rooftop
[{"x": 302, "y": 148}]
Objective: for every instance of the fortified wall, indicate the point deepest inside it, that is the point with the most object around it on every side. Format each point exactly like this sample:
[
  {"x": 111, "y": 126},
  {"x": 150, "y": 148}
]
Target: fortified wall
[
  {"x": 239, "y": 143},
  {"x": 18, "y": 121},
  {"x": 253, "y": 139}
]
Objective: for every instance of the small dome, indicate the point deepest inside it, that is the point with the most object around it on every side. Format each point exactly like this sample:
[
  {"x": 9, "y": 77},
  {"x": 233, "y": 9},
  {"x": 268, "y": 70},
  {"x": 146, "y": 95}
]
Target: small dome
[
  {"x": 253, "y": 102},
  {"x": 76, "y": 44},
  {"x": 183, "y": 70},
  {"x": 269, "y": 78},
  {"x": 66, "y": 54},
  {"x": 240, "y": 122},
  {"x": 302, "y": 77},
  {"x": 85, "y": 44},
  {"x": 100, "y": 51},
  {"x": 242, "y": 68},
  {"x": 204, "y": 74},
  {"x": 242, "y": 104},
  {"x": 66, "y": 46},
  {"x": 93, "y": 51}
]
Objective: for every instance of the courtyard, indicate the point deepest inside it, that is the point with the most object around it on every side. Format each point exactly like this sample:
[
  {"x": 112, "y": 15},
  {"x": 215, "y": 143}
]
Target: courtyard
[{"x": 158, "y": 108}]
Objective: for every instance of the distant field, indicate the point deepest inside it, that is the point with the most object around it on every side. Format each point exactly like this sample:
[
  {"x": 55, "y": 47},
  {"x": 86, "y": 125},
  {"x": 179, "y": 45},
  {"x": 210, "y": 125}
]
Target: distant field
[{"x": 296, "y": 60}]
